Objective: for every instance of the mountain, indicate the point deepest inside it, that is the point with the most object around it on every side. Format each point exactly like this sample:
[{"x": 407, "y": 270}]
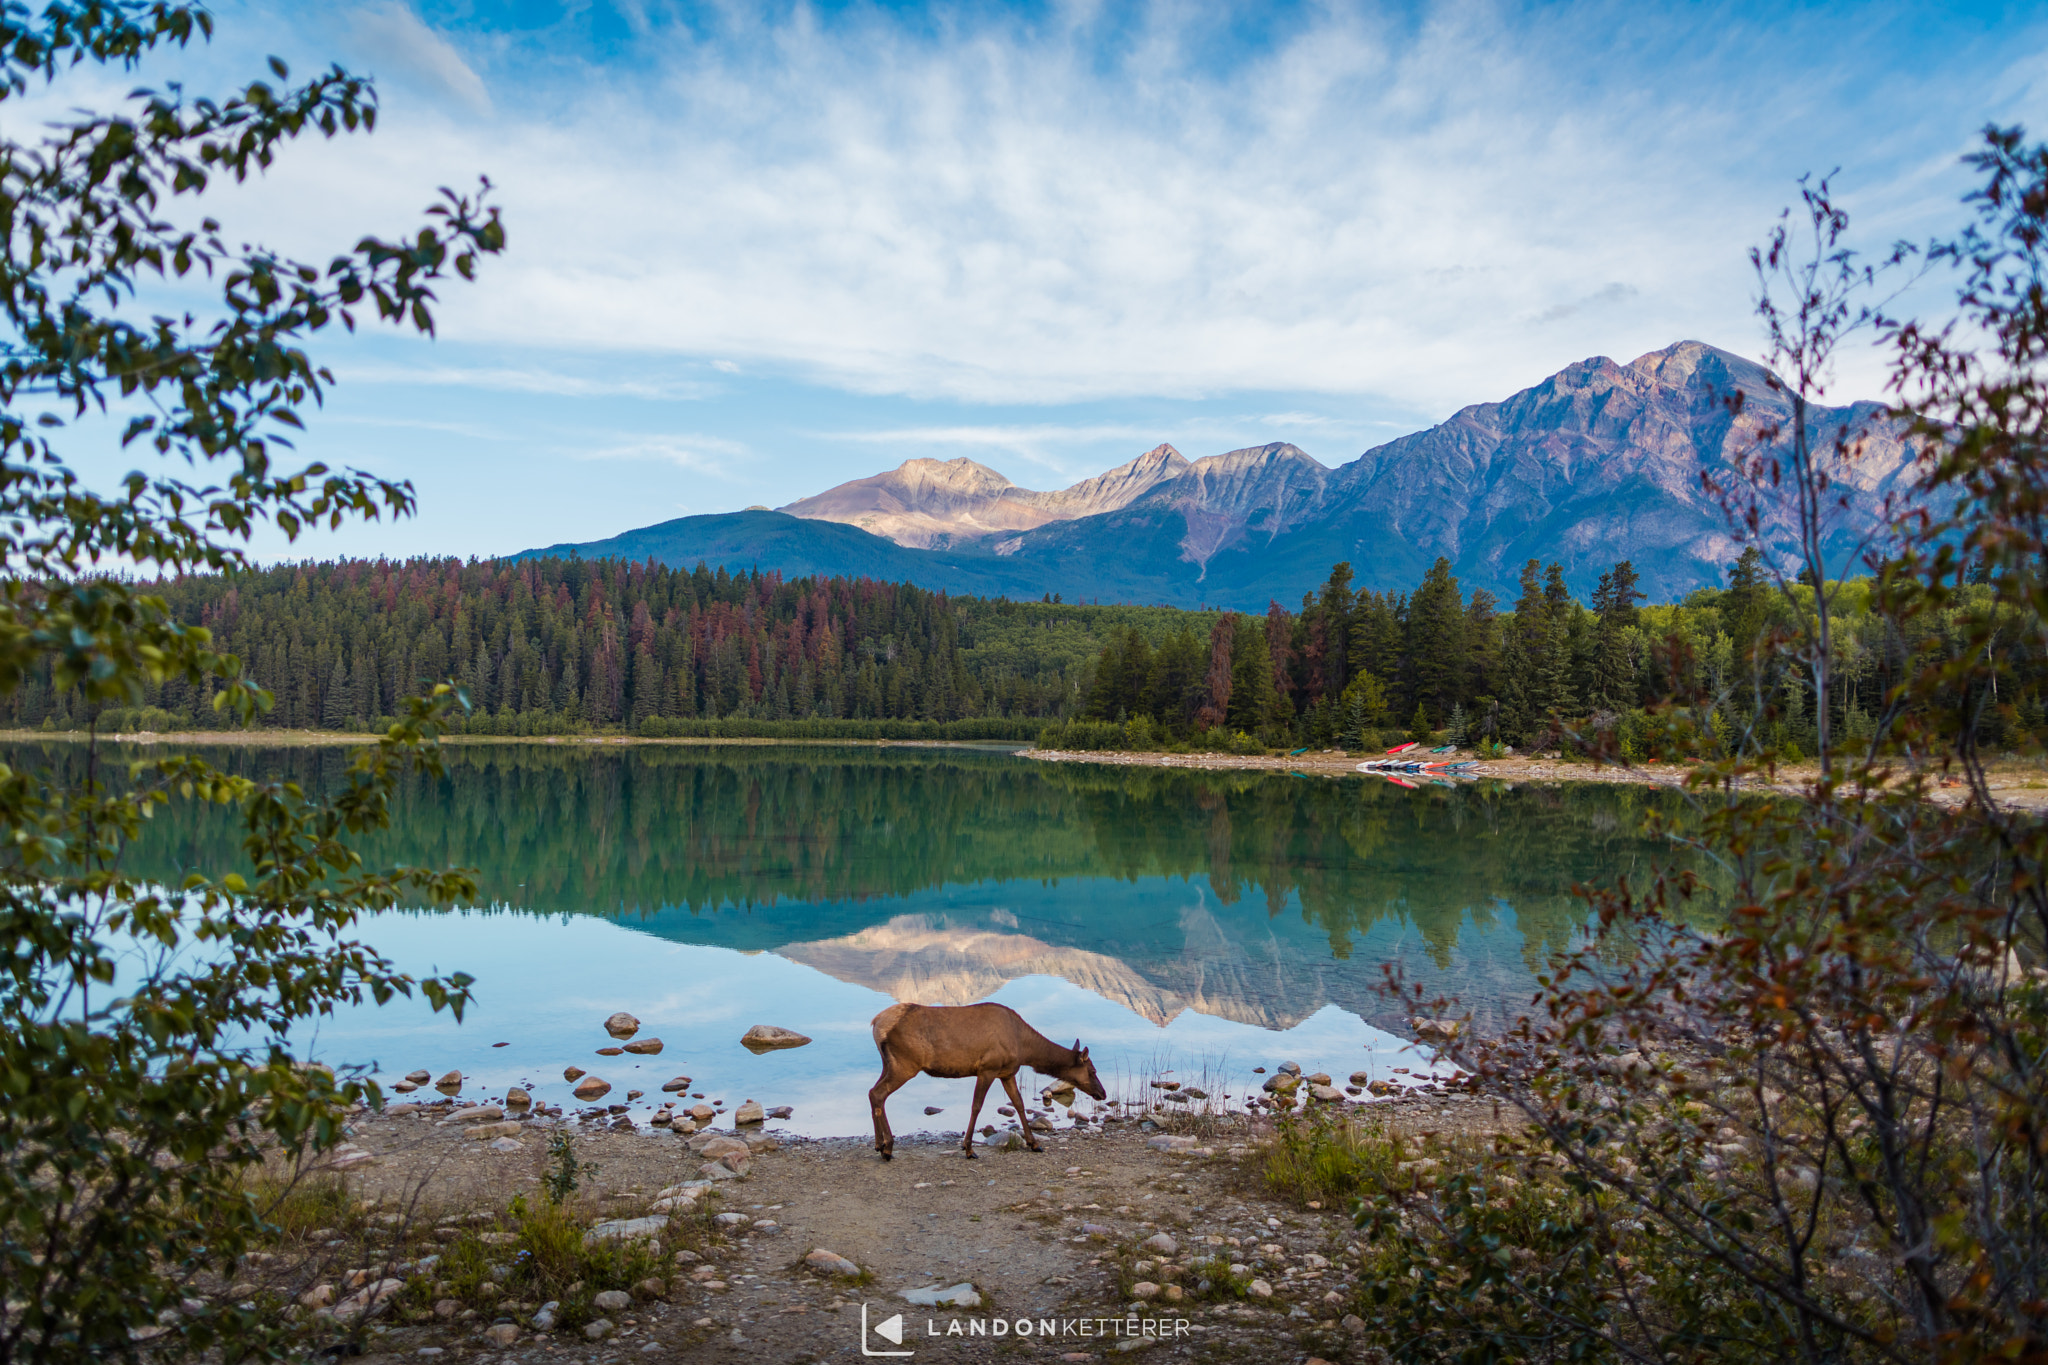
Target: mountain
[
  {"x": 931, "y": 504},
  {"x": 1599, "y": 462}
]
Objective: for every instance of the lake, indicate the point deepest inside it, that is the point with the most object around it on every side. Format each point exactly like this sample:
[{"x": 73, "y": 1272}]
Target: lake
[{"x": 1203, "y": 922}]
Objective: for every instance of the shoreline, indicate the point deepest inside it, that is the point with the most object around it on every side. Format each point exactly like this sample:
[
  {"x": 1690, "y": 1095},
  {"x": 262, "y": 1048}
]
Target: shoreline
[{"x": 2017, "y": 785}]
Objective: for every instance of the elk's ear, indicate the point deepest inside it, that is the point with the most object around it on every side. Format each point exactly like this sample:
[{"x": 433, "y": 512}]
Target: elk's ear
[{"x": 1079, "y": 1051}]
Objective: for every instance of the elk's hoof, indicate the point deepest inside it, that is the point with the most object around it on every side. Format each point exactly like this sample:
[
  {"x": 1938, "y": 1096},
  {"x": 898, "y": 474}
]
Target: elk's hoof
[{"x": 969, "y": 1153}]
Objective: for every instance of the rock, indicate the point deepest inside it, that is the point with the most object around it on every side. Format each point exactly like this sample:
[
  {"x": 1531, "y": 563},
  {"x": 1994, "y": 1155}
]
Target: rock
[
  {"x": 507, "y": 1144},
  {"x": 1041, "y": 1125},
  {"x": 712, "y": 1146},
  {"x": 962, "y": 1295},
  {"x": 395, "y": 1111},
  {"x": 319, "y": 1296},
  {"x": 611, "y": 1301},
  {"x": 634, "y": 1094},
  {"x": 702, "y": 1113},
  {"x": 444, "y": 1309},
  {"x": 1352, "y": 1323},
  {"x": 1145, "y": 1290},
  {"x": 780, "y": 1111},
  {"x": 1259, "y": 1289},
  {"x": 831, "y": 1263},
  {"x": 931, "y": 1109},
  {"x": 597, "y": 1329},
  {"x": 1289, "y": 1068},
  {"x": 1328, "y": 1094},
  {"x": 368, "y": 1300},
  {"x": 451, "y": 1082},
  {"x": 501, "y": 1334},
  {"x": 1171, "y": 1143},
  {"x": 750, "y": 1112},
  {"x": 420, "y": 1077},
  {"x": 610, "y": 1051},
  {"x": 1097, "y": 1230},
  {"x": 768, "y": 1038},
  {"x": 1161, "y": 1243},
  {"x": 570, "y": 1073},
  {"x": 1361, "y": 1078},
  {"x": 592, "y": 1088},
  {"x": 679, "y": 1084},
  {"x": 624, "y": 1230},
  {"x": 731, "y": 1168},
  {"x": 515, "y": 1098},
  {"x": 1320, "y": 1078},
  {"x": 622, "y": 1025},
  {"x": 1436, "y": 1030},
  {"x": 645, "y": 1047},
  {"x": 651, "y": 1289},
  {"x": 1281, "y": 1083},
  {"x": 1194, "y": 1094},
  {"x": 476, "y": 1113},
  {"x": 662, "y": 1119},
  {"x": 1130, "y": 1344},
  {"x": 548, "y": 1316},
  {"x": 403, "y": 1087}
]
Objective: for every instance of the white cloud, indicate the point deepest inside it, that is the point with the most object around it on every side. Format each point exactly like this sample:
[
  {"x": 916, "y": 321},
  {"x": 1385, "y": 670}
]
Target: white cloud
[
  {"x": 1429, "y": 213},
  {"x": 510, "y": 380},
  {"x": 392, "y": 36},
  {"x": 699, "y": 454}
]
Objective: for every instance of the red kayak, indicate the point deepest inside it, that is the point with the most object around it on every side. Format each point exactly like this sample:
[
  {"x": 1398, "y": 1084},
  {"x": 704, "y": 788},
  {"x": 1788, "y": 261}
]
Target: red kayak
[{"x": 1403, "y": 748}]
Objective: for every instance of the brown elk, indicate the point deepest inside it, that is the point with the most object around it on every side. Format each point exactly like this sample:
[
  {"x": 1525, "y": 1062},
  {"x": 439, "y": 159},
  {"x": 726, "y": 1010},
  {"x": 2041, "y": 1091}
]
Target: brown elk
[{"x": 987, "y": 1042}]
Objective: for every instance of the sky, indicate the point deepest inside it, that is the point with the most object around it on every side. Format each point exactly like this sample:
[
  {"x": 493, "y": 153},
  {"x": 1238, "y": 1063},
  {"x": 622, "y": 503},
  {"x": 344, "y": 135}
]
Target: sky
[{"x": 760, "y": 249}]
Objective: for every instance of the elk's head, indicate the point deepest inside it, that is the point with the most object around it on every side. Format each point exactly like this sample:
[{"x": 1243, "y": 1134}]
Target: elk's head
[{"x": 1081, "y": 1073}]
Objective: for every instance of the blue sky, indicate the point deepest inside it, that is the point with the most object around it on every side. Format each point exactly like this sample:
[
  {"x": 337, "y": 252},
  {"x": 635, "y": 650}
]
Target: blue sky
[{"x": 760, "y": 249}]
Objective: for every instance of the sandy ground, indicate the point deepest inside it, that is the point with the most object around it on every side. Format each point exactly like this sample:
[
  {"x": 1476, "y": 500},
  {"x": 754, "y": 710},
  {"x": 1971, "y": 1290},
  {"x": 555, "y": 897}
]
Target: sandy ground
[
  {"x": 1052, "y": 1237},
  {"x": 2019, "y": 785}
]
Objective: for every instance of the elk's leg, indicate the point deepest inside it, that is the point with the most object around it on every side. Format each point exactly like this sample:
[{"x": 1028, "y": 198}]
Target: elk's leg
[
  {"x": 1023, "y": 1118},
  {"x": 981, "y": 1085},
  {"x": 895, "y": 1075}
]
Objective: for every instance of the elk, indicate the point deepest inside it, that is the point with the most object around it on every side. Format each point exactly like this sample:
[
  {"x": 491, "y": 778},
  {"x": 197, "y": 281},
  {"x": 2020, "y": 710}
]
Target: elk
[{"x": 987, "y": 1042}]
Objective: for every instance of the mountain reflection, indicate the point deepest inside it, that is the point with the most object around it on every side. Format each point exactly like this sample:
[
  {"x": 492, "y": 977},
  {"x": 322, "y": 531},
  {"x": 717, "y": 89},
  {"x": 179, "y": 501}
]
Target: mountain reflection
[{"x": 939, "y": 874}]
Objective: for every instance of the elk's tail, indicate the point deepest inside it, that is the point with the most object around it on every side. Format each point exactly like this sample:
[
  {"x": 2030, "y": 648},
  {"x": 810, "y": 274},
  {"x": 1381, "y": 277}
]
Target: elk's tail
[{"x": 887, "y": 1020}]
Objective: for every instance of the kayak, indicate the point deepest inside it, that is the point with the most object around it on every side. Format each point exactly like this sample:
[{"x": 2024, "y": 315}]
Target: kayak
[{"x": 1403, "y": 748}]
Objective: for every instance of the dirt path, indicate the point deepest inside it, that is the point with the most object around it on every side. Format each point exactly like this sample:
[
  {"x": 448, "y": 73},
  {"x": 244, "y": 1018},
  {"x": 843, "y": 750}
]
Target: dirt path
[{"x": 1058, "y": 1237}]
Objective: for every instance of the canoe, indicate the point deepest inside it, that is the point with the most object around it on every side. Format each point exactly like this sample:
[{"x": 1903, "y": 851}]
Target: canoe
[{"x": 1403, "y": 748}]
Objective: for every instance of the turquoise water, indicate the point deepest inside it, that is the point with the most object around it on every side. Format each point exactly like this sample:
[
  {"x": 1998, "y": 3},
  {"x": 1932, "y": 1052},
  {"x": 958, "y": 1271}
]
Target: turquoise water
[{"x": 1202, "y": 922}]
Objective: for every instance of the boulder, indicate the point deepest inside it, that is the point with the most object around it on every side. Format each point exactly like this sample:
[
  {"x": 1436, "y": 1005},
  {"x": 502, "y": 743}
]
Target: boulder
[
  {"x": 1161, "y": 1243},
  {"x": 1144, "y": 1290},
  {"x": 750, "y": 1112},
  {"x": 1320, "y": 1078},
  {"x": 451, "y": 1082},
  {"x": 702, "y": 1113},
  {"x": 831, "y": 1263},
  {"x": 597, "y": 1329},
  {"x": 515, "y": 1098},
  {"x": 501, "y": 1334},
  {"x": 675, "y": 1086},
  {"x": 592, "y": 1088},
  {"x": 780, "y": 1111},
  {"x": 1289, "y": 1068},
  {"x": 711, "y": 1146},
  {"x": 420, "y": 1077},
  {"x": 611, "y": 1301},
  {"x": 644, "y": 1047},
  {"x": 624, "y": 1230},
  {"x": 495, "y": 1130},
  {"x": 769, "y": 1038},
  {"x": 960, "y": 1295},
  {"x": 1281, "y": 1083},
  {"x": 622, "y": 1025},
  {"x": 1328, "y": 1094},
  {"x": 1361, "y": 1078},
  {"x": 570, "y": 1073},
  {"x": 476, "y": 1113}
]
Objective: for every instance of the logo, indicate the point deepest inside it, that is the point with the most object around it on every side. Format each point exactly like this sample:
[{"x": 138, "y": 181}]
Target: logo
[{"x": 889, "y": 1329}]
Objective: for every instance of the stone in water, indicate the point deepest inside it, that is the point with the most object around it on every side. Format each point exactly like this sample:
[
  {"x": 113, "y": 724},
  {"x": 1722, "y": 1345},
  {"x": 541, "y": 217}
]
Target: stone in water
[
  {"x": 622, "y": 1025},
  {"x": 768, "y": 1038}
]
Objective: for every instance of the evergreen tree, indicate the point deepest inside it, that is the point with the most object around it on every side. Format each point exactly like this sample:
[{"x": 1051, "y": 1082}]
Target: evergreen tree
[
  {"x": 1253, "y": 698},
  {"x": 1438, "y": 658}
]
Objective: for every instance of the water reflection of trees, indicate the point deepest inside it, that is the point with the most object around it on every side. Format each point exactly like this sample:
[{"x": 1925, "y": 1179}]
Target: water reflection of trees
[{"x": 633, "y": 831}]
